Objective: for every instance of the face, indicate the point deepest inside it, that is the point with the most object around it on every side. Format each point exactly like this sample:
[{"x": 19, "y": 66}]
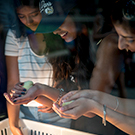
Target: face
[
  {"x": 126, "y": 38},
  {"x": 67, "y": 30},
  {"x": 29, "y": 16}
]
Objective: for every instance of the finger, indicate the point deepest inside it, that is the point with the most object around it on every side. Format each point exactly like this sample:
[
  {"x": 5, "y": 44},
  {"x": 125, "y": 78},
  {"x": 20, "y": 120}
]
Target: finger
[
  {"x": 76, "y": 108},
  {"x": 58, "y": 112},
  {"x": 71, "y": 114},
  {"x": 46, "y": 110},
  {"x": 78, "y": 94},
  {"x": 51, "y": 111},
  {"x": 61, "y": 114},
  {"x": 57, "y": 108},
  {"x": 19, "y": 84},
  {"x": 22, "y": 99},
  {"x": 8, "y": 98},
  {"x": 69, "y": 106},
  {"x": 21, "y": 102},
  {"x": 14, "y": 95},
  {"x": 44, "y": 107},
  {"x": 67, "y": 96},
  {"x": 19, "y": 91},
  {"x": 18, "y": 87},
  {"x": 73, "y": 110}
]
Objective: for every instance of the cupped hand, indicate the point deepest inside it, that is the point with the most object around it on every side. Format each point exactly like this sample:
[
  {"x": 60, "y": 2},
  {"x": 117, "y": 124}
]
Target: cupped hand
[
  {"x": 15, "y": 92},
  {"x": 75, "y": 109},
  {"x": 73, "y": 95},
  {"x": 31, "y": 94}
]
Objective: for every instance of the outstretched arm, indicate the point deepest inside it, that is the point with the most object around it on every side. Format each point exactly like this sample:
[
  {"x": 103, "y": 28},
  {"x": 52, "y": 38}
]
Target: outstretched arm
[
  {"x": 86, "y": 106},
  {"x": 121, "y": 105},
  {"x": 36, "y": 90}
]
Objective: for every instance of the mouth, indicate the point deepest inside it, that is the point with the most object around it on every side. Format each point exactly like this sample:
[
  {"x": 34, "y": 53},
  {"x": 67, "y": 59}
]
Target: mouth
[
  {"x": 64, "y": 34},
  {"x": 132, "y": 50}
]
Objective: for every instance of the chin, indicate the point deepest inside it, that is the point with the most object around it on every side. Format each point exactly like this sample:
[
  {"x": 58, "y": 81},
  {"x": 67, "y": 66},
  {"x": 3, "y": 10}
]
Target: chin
[
  {"x": 33, "y": 28},
  {"x": 69, "y": 40}
]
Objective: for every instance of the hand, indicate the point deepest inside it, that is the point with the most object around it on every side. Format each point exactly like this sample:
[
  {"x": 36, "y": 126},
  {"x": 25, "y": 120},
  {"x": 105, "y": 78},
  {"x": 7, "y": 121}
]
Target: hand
[
  {"x": 45, "y": 109},
  {"x": 31, "y": 94},
  {"x": 17, "y": 91},
  {"x": 75, "y": 109},
  {"x": 73, "y": 95},
  {"x": 16, "y": 130}
]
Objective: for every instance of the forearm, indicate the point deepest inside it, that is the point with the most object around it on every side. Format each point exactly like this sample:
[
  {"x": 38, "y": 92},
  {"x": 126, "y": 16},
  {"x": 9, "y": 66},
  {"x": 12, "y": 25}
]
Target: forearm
[
  {"x": 124, "y": 106},
  {"x": 49, "y": 92},
  {"x": 13, "y": 111},
  {"x": 125, "y": 123},
  {"x": 44, "y": 101},
  {"x": 13, "y": 114}
]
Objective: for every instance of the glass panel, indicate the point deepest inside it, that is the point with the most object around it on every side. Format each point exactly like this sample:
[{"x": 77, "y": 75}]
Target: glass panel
[{"x": 73, "y": 51}]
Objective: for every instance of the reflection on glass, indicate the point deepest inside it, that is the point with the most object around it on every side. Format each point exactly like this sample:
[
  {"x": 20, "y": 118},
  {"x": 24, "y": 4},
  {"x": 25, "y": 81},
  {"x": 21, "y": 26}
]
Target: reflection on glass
[{"x": 65, "y": 45}]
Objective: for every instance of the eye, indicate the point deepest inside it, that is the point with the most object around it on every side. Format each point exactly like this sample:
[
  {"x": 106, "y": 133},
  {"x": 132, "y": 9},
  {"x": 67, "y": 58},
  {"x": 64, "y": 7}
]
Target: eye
[
  {"x": 21, "y": 16},
  {"x": 35, "y": 14},
  {"x": 131, "y": 41}
]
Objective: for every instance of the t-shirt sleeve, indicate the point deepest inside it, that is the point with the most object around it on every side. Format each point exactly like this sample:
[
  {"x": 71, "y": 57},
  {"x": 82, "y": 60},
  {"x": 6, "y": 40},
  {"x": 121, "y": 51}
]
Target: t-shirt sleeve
[{"x": 11, "y": 44}]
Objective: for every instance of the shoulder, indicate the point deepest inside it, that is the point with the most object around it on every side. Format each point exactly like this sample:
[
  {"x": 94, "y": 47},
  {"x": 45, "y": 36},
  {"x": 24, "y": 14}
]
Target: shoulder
[
  {"x": 11, "y": 35},
  {"x": 109, "y": 43},
  {"x": 10, "y": 32},
  {"x": 111, "y": 39},
  {"x": 108, "y": 49}
]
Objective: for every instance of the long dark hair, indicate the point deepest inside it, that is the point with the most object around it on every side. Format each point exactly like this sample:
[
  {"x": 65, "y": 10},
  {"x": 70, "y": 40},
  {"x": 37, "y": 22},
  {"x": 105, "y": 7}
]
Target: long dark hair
[
  {"x": 123, "y": 13},
  {"x": 76, "y": 66}
]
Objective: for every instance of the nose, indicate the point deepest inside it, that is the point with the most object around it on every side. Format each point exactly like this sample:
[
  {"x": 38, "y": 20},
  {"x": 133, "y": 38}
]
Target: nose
[
  {"x": 29, "y": 20},
  {"x": 122, "y": 43},
  {"x": 56, "y": 31}
]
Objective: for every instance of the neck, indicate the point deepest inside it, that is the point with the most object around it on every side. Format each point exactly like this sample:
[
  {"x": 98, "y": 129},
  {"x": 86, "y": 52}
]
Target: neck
[{"x": 37, "y": 43}]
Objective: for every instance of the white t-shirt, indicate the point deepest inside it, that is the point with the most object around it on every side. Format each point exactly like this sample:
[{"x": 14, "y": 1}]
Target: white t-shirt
[
  {"x": 31, "y": 66},
  {"x": 35, "y": 68}
]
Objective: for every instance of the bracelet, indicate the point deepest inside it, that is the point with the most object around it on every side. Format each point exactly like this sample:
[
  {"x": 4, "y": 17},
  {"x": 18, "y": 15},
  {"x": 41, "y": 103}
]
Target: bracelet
[
  {"x": 117, "y": 104},
  {"x": 60, "y": 95},
  {"x": 104, "y": 117}
]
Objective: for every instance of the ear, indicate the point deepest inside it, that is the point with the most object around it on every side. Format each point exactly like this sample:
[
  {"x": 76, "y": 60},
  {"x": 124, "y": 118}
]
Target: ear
[{"x": 128, "y": 10}]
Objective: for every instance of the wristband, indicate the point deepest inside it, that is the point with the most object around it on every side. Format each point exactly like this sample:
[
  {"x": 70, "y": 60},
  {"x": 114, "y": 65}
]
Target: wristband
[
  {"x": 104, "y": 117},
  {"x": 60, "y": 95},
  {"x": 117, "y": 104}
]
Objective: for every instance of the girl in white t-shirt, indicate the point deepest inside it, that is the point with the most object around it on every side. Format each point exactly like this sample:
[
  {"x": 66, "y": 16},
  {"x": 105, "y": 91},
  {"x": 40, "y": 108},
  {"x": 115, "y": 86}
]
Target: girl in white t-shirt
[{"x": 26, "y": 60}]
